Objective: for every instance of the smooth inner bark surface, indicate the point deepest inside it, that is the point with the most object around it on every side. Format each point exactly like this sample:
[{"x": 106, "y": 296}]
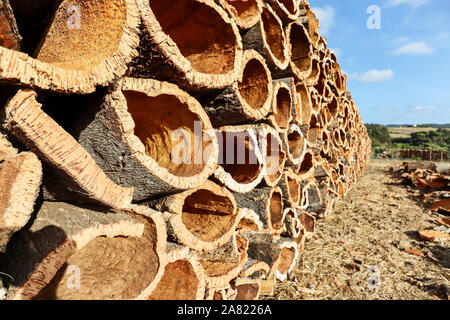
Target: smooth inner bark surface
[
  {"x": 254, "y": 87},
  {"x": 207, "y": 215},
  {"x": 156, "y": 119},
  {"x": 84, "y": 33},
  {"x": 274, "y": 34},
  {"x": 283, "y": 108},
  {"x": 201, "y": 34}
]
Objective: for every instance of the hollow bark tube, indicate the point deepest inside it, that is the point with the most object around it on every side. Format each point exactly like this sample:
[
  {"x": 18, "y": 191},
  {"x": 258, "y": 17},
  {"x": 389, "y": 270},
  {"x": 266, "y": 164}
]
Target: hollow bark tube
[
  {"x": 268, "y": 38},
  {"x": 299, "y": 45},
  {"x": 290, "y": 187},
  {"x": 249, "y": 221},
  {"x": 202, "y": 219},
  {"x": 304, "y": 104},
  {"x": 10, "y": 37},
  {"x": 287, "y": 10},
  {"x": 60, "y": 150},
  {"x": 94, "y": 49},
  {"x": 152, "y": 136},
  {"x": 294, "y": 144},
  {"x": 59, "y": 231},
  {"x": 20, "y": 177},
  {"x": 287, "y": 259},
  {"x": 248, "y": 99},
  {"x": 242, "y": 166},
  {"x": 267, "y": 202},
  {"x": 312, "y": 22},
  {"x": 191, "y": 42},
  {"x": 246, "y": 13},
  {"x": 306, "y": 168},
  {"x": 183, "y": 277},
  {"x": 282, "y": 104},
  {"x": 275, "y": 157},
  {"x": 308, "y": 222}
]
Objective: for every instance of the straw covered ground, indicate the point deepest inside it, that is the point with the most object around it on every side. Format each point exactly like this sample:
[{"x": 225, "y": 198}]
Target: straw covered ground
[{"x": 358, "y": 252}]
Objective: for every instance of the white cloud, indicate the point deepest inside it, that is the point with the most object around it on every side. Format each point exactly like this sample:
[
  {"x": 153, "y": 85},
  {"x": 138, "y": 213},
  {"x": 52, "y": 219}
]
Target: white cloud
[
  {"x": 413, "y": 49},
  {"x": 423, "y": 108},
  {"x": 326, "y": 18},
  {"x": 411, "y": 3},
  {"x": 376, "y": 76}
]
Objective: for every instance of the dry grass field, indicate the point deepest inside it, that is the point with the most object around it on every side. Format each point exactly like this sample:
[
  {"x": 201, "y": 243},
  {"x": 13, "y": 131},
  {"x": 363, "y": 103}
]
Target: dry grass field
[
  {"x": 405, "y": 132},
  {"x": 358, "y": 252}
]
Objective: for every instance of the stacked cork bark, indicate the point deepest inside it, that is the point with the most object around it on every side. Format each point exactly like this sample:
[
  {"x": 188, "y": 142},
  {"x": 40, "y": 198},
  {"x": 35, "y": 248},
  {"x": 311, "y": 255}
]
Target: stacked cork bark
[{"x": 167, "y": 149}]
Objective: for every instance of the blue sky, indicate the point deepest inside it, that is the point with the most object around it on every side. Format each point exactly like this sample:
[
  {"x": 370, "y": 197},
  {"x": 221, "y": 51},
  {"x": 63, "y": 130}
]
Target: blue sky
[{"x": 399, "y": 73}]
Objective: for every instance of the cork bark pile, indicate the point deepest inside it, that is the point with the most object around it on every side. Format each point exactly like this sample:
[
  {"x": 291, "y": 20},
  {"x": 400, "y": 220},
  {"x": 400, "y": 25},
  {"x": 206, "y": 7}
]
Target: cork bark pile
[{"x": 167, "y": 149}]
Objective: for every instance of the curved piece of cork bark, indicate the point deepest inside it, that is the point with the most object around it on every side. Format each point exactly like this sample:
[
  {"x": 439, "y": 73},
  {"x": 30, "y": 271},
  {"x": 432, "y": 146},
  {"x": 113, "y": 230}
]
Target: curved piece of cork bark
[
  {"x": 9, "y": 32},
  {"x": 192, "y": 43},
  {"x": 242, "y": 166},
  {"x": 290, "y": 187},
  {"x": 267, "y": 202},
  {"x": 20, "y": 181},
  {"x": 247, "y": 288},
  {"x": 227, "y": 293},
  {"x": 114, "y": 269},
  {"x": 315, "y": 130},
  {"x": 250, "y": 221},
  {"x": 225, "y": 263},
  {"x": 312, "y": 22},
  {"x": 202, "y": 219},
  {"x": 248, "y": 99},
  {"x": 299, "y": 45},
  {"x": 254, "y": 269},
  {"x": 183, "y": 277},
  {"x": 246, "y": 13},
  {"x": 263, "y": 247},
  {"x": 272, "y": 151},
  {"x": 308, "y": 222},
  {"x": 25, "y": 119},
  {"x": 315, "y": 202},
  {"x": 294, "y": 144},
  {"x": 287, "y": 259},
  {"x": 87, "y": 45},
  {"x": 287, "y": 10},
  {"x": 304, "y": 106},
  {"x": 306, "y": 168},
  {"x": 59, "y": 231},
  {"x": 268, "y": 38},
  {"x": 316, "y": 70},
  {"x": 152, "y": 136},
  {"x": 6, "y": 148},
  {"x": 282, "y": 103}
]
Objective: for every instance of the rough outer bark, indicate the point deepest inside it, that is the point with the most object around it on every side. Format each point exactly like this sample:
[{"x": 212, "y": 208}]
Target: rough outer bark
[
  {"x": 274, "y": 155},
  {"x": 268, "y": 38},
  {"x": 287, "y": 10},
  {"x": 58, "y": 231},
  {"x": 246, "y": 13},
  {"x": 254, "y": 269},
  {"x": 20, "y": 177},
  {"x": 242, "y": 169},
  {"x": 299, "y": 45},
  {"x": 267, "y": 202},
  {"x": 308, "y": 222},
  {"x": 263, "y": 247},
  {"x": 225, "y": 263},
  {"x": 248, "y": 99},
  {"x": 55, "y": 68},
  {"x": 294, "y": 144},
  {"x": 160, "y": 55},
  {"x": 311, "y": 22},
  {"x": 9, "y": 32},
  {"x": 314, "y": 197},
  {"x": 6, "y": 148},
  {"x": 25, "y": 119},
  {"x": 202, "y": 219},
  {"x": 183, "y": 277},
  {"x": 119, "y": 137}
]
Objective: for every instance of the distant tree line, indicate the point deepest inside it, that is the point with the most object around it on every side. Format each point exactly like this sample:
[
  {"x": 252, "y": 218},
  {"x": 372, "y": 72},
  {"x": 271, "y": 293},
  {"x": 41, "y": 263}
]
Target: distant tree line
[{"x": 433, "y": 140}]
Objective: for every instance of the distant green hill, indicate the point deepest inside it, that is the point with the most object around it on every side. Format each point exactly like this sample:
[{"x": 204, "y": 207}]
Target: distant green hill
[{"x": 425, "y": 125}]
